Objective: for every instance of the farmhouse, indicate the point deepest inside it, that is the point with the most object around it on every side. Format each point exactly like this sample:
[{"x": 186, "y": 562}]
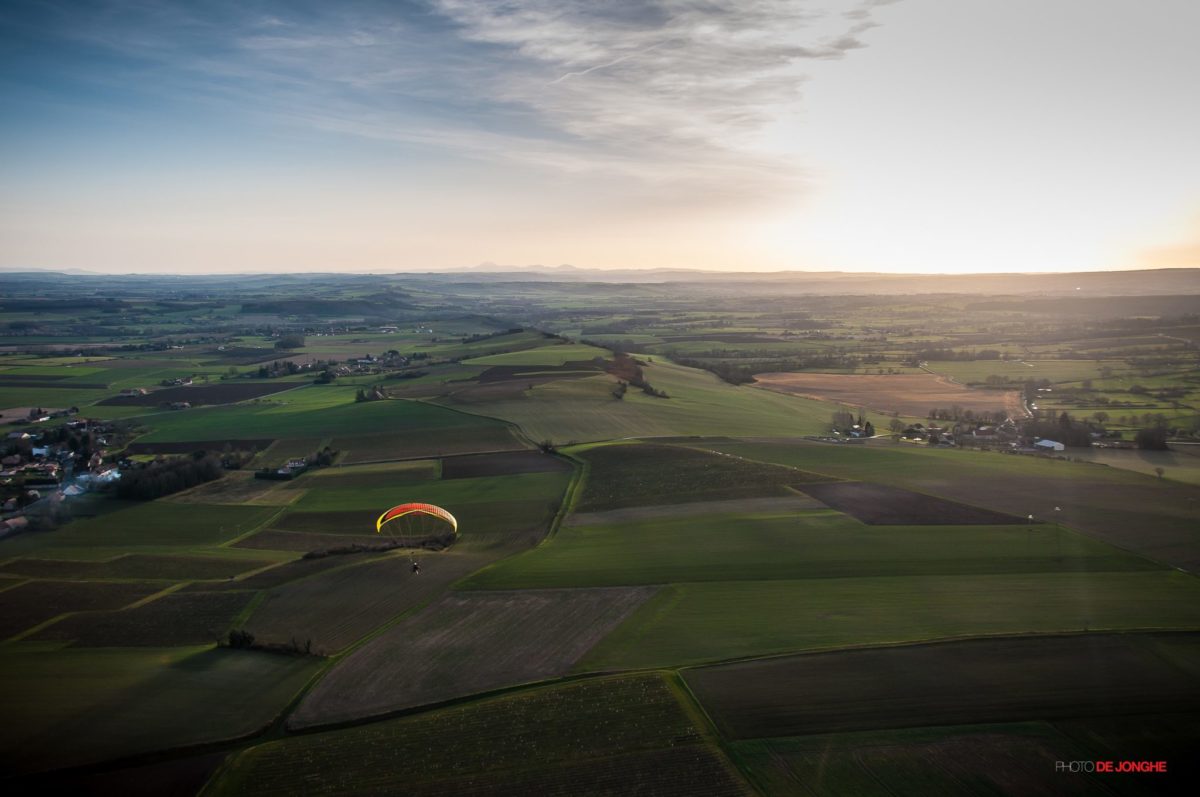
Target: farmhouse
[{"x": 1049, "y": 445}]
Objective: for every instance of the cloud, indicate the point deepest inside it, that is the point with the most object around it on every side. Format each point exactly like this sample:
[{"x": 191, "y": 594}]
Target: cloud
[{"x": 669, "y": 94}]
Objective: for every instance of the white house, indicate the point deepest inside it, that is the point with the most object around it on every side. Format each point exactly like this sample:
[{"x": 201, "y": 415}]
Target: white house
[{"x": 1049, "y": 445}]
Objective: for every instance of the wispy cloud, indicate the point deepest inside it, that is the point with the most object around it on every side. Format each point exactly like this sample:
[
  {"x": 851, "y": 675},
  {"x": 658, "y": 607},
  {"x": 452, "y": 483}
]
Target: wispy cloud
[{"x": 663, "y": 93}]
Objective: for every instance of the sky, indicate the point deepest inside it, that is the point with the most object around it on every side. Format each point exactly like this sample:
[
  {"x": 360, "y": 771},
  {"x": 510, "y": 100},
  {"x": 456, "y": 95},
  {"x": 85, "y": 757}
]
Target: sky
[{"x": 932, "y": 136}]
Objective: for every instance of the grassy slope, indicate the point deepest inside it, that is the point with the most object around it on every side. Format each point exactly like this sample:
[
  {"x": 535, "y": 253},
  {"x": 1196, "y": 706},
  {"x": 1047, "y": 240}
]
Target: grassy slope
[{"x": 699, "y": 404}]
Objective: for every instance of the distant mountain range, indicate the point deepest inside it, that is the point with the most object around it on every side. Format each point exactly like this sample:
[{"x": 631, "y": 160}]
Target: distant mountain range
[{"x": 1178, "y": 281}]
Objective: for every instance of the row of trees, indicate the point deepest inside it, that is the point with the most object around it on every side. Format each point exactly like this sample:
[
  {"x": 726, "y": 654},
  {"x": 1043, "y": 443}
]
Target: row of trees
[{"x": 165, "y": 478}]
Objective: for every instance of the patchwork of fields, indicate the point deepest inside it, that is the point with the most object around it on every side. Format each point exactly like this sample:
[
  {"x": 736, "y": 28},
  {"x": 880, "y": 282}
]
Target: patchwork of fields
[{"x": 652, "y": 594}]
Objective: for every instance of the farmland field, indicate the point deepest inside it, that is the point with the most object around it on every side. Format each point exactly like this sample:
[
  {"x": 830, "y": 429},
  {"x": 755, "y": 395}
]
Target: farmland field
[
  {"x": 80, "y": 705},
  {"x": 330, "y": 411},
  {"x": 27, "y": 605},
  {"x": 584, "y": 410},
  {"x": 879, "y": 504},
  {"x": 465, "y": 644},
  {"x": 976, "y": 760},
  {"x": 1155, "y": 518},
  {"x": 484, "y": 436},
  {"x": 201, "y": 394},
  {"x": 136, "y": 566},
  {"x": 149, "y": 528},
  {"x": 985, "y": 680},
  {"x": 906, "y": 394},
  {"x": 187, "y": 618},
  {"x": 589, "y": 737},
  {"x": 817, "y": 544},
  {"x": 668, "y": 580},
  {"x": 336, "y": 607},
  {"x": 648, "y": 473},
  {"x": 711, "y": 621}
]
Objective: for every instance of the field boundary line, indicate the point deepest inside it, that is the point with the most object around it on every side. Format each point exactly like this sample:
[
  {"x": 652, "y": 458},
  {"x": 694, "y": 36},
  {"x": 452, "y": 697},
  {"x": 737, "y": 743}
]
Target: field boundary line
[
  {"x": 946, "y": 640},
  {"x": 16, "y": 582},
  {"x": 255, "y": 528},
  {"x": 466, "y": 699},
  {"x": 151, "y": 598},
  {"x": 579, "y": 471},
  {"x": 703, "y": 721},
  {"x": 42, "y": 625},
  {"x": 431, "y": 457}
]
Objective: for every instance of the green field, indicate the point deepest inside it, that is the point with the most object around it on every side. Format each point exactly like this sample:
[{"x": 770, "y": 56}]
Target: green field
[
  {"x": 699, "y": 622},
  {"x": 583, "y": 410},
  {"x": 1152, "y": 517},
  {"x": 676, "y": 589},
  {"x": 639, "y": 474},
  {"x": 141, "y": 528},
  {"x": 330, "y": 411},
  {"x": 797, "y": 545},
  {"x": 543, "y": 355},
  {"x": 577, "y": 738}
]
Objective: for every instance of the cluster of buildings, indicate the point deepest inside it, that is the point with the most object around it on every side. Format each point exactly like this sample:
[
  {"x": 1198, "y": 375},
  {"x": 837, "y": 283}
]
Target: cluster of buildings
[{"x": 42, "y": 465}]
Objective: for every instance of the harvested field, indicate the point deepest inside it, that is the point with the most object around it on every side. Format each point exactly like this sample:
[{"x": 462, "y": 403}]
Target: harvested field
[
  {"x": 907, "y": 394},
  {"x": 880, "y": 505},
  {"x": 474, "y": 465},
  {"x": 575, "y": 738},
  {"x": 746, "y": 506},
  {"x": 181, "y": 618},
  {"x": 339, "y": 606},
  {"x": 651, "y": 474},
  {"x": 189, "y": 446},
  {"x": 35, "y": 602},
  {"x": 196, "y": 395},
  {"x": 434, "y": 443},
  {"x": 141, "y": 566},
  {"x": 465, "y": 644},
  {"x": 973, "y": 681}
]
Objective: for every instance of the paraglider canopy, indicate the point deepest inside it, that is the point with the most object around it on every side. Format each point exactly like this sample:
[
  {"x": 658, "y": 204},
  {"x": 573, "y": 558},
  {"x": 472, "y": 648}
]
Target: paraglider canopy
[{"x": 426, "y": 510}]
